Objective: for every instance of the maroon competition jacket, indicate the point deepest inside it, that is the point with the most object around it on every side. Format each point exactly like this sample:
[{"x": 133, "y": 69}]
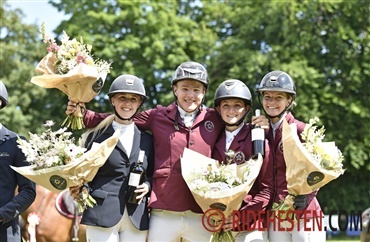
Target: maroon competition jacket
[
  {"x": 280, "y": 183},
  {"x": 261, "y": 193},
  {"x": 169, "y": 189}
]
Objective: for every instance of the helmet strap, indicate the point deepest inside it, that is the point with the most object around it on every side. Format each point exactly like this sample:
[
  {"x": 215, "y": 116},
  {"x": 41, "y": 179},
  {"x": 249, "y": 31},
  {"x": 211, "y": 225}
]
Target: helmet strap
[
  {"x": 121, "y": 118},
  {"x": 241, "y": 120},
  {"x": 177, "y": 116},
  {"x": 126, "y": 119},
  {"x": 176, "y": 125},
  {"x": 280, "y": 114}
]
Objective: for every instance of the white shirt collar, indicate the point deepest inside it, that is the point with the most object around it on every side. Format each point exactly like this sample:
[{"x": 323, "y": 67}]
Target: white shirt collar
[
  {"x": 276, "y": 125},
  {"x": 126, "y": 135},
  {"x": 233, "y": 133},
  {"x": 187, "y": 118},
  {"x": 183, "y": 113},
  {"x": 117, "y": 125}
]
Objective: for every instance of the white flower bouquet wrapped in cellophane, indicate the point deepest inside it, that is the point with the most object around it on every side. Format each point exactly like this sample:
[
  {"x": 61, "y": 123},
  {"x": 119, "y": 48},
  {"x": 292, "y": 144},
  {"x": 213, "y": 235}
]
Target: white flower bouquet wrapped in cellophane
[
  {"x": 70, "y": 67},
  {"x": 216, "y": 186},
  {"x": 56, "y": 163},
  {"x": 309, "y": 165}
]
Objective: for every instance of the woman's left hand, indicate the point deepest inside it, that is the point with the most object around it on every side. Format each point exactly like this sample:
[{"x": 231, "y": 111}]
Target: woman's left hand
[{"x": 142, "y": 189}]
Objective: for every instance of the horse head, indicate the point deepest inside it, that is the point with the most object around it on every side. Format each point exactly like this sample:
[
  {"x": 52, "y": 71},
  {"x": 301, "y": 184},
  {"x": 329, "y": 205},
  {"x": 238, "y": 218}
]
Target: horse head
[{"x": 51, "y": 218}]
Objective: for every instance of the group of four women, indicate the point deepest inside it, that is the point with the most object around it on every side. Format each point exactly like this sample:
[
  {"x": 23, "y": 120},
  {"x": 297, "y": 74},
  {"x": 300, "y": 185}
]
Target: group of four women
[{"x": 174, "y": 214}]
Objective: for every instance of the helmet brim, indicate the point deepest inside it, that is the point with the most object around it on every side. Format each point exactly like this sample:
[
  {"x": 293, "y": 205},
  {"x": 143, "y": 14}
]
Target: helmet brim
[
  {"x": 4, "y": 102},
  {"x": 190, "y": 79},
  {"x": 110, "y": 94},
  {"x": 274, "y": 89}
]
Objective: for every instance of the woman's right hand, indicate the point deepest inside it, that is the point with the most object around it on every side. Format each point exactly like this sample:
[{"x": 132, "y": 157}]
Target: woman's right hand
[
  {"x": 72, "y": 107},
  {"x": 261, "y": 121}
]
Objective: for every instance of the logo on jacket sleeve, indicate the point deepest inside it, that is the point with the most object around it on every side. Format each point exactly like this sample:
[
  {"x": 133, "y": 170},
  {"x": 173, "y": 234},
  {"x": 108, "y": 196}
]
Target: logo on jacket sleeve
[{"x": 209, "y": 126}]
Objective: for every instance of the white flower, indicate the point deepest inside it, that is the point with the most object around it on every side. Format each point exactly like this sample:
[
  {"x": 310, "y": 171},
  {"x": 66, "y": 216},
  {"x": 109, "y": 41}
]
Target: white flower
[
  {"x": 326, "y": 154},
  {"x": 210, "y": 179},
  {"x": 50, "y": 148}
]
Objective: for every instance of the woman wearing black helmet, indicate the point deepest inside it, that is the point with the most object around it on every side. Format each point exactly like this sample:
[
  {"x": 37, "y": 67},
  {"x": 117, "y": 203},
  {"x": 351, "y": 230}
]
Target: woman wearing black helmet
[
  {"x": 277, "y": 91},
  {"x": 11, "y": 155},
  {"x": 233, "y": 102},
  {"x": 113, "y": 219}
]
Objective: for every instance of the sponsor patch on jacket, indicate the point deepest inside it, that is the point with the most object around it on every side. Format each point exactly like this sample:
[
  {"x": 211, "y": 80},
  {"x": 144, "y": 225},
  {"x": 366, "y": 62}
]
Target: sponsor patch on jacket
[
  {"x": 209, "y": 126},
  {"x": 239, "y": 157},
  {"x": 280, "y": 147}
]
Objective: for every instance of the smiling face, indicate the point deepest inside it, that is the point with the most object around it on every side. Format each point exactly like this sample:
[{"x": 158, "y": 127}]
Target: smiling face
[
  {"x": 189, "y": 94},
  {"x": 275, "y": 102},
  {"x": 231, "y": 111},
  {"x": 126, "y": 105}
]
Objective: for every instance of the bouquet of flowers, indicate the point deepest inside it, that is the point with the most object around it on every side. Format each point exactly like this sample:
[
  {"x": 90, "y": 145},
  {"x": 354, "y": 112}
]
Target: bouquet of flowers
[
  {"x": 56, "y": 163},
  {"x": 218, "y": 186},
  {"x": 70, "y": 67},
  {"x": 309, "y": 165}
]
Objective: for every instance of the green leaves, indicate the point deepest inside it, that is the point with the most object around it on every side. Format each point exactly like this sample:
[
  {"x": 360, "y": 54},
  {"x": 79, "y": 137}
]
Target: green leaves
[
  {"x": 85, "y": 200},
  {"x": 222, "y": 236},
  {"x": 73, "y": 122}
]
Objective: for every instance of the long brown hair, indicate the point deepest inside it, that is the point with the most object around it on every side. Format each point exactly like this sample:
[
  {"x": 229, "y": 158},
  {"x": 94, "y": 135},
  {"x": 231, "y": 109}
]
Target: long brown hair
[{"x": 99, "y": 129}]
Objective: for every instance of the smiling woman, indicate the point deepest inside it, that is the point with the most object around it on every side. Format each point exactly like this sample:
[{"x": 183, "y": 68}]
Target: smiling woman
[{"x": 36, "y": 12}]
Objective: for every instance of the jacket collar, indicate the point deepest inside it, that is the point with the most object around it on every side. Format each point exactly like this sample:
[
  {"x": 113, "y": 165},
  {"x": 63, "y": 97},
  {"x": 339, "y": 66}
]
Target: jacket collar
[
  {"x": 135, "y": 145},
  {"x": 243, "y": 135},
  {"x": 172, "y": 109},
  {"x": 4, "y": 134}
]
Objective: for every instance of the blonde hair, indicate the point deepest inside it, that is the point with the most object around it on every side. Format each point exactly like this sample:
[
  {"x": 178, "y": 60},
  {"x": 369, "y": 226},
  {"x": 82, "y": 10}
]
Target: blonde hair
[{"x": 99, "y": 129}]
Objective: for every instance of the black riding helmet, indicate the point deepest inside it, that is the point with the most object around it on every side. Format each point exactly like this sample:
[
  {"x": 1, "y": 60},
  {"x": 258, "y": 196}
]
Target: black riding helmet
[
  {"x": 277, "y": 81},
  {"x": 3, "y": 95},
  {"x": 233, "y": 88},
  {"x": 127, "y": 84}
]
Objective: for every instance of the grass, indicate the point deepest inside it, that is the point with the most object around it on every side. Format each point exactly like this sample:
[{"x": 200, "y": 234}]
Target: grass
[{"x": 344, "y": 238}]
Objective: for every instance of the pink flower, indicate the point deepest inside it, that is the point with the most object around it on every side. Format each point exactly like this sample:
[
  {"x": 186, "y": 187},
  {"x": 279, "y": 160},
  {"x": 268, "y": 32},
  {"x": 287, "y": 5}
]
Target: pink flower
[{"x": 53, "y": 47}]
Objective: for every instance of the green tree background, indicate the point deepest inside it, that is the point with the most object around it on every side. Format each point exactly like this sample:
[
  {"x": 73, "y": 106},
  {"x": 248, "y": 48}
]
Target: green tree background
[{"x": 325, "y": 46}]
